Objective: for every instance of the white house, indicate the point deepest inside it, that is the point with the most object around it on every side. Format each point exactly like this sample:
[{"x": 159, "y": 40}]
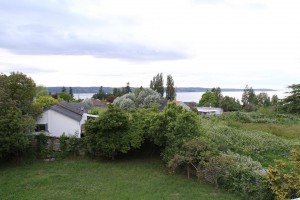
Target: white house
[
  {"x": 62, "y": 118},
  {"x": 210, "y": 110}
]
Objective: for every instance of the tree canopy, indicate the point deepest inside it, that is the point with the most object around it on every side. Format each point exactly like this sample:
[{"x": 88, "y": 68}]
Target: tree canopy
[{"x": 17, "y": 93}]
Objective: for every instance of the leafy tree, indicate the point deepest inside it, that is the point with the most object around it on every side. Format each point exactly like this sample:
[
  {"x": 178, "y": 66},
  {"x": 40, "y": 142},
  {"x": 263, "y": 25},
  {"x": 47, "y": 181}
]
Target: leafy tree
[
  {"x": 109, "y": 134},
  {"x": 17, "y": 92},
  {"x": 230, "y": 104},
  {"x": 171, "y": 128},
  {"x": 291, "y": 103},
  {"x": 41, "y": 91},
  {"x": 170, "y": 90},
  {"x": 145, "y": 99},
  {"x": 45, "y": 101},
  {"x": 22, "y": 90},
  {"x": 263, "y": 99},
  {"x": 249, "y": 99},
  {"x": 157, "y": 84},
  {"x": 218, "y": 96},
  {"x": 208, "y": 99},
  {"x": 65, "y": 96},
  {"x": 275, "y": 103},
  {"x": 117, "y": 92}
]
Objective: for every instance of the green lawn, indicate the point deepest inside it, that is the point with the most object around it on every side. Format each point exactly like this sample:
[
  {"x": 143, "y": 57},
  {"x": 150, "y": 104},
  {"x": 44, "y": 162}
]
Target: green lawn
[{"x": 88, "y": 179}]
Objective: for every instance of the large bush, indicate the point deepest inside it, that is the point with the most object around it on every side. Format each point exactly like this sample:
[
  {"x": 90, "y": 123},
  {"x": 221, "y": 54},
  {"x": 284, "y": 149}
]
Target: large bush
[
  {"x": 171, "y": 128},
  {"x": 110, "y": 134}
]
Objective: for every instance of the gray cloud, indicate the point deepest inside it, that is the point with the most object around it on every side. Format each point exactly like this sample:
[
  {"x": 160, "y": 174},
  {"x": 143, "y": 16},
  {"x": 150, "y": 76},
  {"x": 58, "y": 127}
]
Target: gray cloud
[{"x": 50, "y": 28}]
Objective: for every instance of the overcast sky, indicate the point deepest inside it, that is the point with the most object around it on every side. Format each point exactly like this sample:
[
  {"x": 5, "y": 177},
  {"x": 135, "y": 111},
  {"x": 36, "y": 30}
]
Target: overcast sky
[{"x": 201, "y": 43}]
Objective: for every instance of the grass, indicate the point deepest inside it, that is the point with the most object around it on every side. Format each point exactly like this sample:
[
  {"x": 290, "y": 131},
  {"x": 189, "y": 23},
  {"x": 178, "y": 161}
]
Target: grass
[
  {"x": 89, "y": 179},
  {"x": 291, "y": 131}
]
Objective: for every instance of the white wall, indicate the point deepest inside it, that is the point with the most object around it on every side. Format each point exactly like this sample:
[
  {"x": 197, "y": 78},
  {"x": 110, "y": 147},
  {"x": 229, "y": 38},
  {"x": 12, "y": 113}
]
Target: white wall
[{"x": 59, "y": 124}]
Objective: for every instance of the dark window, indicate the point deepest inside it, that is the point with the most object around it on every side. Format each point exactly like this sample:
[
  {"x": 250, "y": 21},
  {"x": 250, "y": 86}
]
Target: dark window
[{"x": 40, "y": 127}]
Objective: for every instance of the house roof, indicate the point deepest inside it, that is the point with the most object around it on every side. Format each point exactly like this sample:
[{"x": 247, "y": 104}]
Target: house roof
[{"x": 73, "y": 110}]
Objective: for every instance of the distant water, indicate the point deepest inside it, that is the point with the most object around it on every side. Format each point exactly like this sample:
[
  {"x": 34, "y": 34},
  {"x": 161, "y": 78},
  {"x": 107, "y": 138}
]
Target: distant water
[{"x": 196, "y": 96}]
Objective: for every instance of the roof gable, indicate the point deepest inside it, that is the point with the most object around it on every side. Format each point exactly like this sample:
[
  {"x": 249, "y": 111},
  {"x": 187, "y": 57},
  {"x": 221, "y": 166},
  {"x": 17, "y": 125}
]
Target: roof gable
[{"x": 73, "y": 110}]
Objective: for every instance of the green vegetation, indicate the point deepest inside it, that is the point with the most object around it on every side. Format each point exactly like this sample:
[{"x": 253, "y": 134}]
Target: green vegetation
[
  {"x": 234, "y": 151},
  {"x": 87, "y": 179}
]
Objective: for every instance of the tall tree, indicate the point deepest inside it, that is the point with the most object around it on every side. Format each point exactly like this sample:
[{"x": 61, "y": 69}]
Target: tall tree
[
  {"x": 63, "y": 89},
  {"x": 291, "y": 103},
  {"x": 218, "y": 94},
  {"x": 249, "y": 99},
  {"x": 170, "y": 90},
  {"x": 100, "y": 95},
  {"x": 208, "y": 99},
  {"x": 17, "y": 93},
  {"x": 71, "y": 92},
  {"x": 157, "y": 84},
  {"x": 263, "y": 99},
  {"x": 127, "y": 88}
]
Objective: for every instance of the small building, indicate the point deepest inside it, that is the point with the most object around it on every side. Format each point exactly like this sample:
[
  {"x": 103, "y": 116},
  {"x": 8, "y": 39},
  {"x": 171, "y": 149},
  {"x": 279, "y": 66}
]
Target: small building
[
  {"x": 210, "y": 110},
  {"x": 62, "y": 118},
  {"x": 180, "y": 103}
]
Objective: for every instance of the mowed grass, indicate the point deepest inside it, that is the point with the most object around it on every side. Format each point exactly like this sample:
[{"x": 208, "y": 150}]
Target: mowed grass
[{"x": 89, "y": 179}]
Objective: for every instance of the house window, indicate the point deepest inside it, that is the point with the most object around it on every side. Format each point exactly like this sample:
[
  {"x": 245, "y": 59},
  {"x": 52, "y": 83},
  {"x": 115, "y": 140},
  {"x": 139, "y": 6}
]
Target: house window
[{"x": 41, "y": 128}]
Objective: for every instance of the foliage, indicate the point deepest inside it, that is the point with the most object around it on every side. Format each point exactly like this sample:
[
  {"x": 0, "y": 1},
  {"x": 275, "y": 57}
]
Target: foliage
[
  {"x": 71, "y": 92},
  {"x": 256, "y": 144},
  {"x": 291, "y": 103},
  {"x": 65, "y": 96},
  {"x": 109, "y": 134},
  {"x": 285, "y": 184},
  {"x": 218, "y": 96},
  {"x": 249, "y": 99},
  {"x": 157, "y": 84},
  {"x": 170, "y": 90},
  {"x": 41, "y": 91},
  {"x": 100, "y": 95},
  {"x": 127, "y": 89},
  {"x": 194, "y": 153},
  {"x": 70, "y": 145},
  {"x": 263, "y": 99},
  {"x": 208, "y": 99},
  {"x": 16, "y": 121},
  {"x": 45, "y": 101},
  {"x": 230, "y": 104},
  {"x": 240, "y": 174},
  {"x": 171, "y": 128},
  {"x": 41, "y": 145},
  {"x": 146, "y": 97}
]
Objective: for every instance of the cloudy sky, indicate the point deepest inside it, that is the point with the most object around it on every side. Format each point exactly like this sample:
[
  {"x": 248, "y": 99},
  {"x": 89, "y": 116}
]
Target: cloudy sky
[{"x": 201, "y": 43}]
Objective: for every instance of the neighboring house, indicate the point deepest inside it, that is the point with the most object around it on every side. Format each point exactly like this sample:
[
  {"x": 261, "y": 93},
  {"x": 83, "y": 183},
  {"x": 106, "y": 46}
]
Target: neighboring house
[
  {"x": 62, "y": 118},
  {"x": 210, "y": 110},
  {"x": 180, "y": 103}
]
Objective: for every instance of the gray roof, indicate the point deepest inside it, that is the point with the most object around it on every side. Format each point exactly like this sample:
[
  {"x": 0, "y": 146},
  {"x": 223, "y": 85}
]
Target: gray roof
[{"x": 73, "y": 110}]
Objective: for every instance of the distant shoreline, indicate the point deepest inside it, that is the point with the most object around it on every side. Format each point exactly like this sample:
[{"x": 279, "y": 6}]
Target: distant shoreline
[{"x": 178, "y": 89}]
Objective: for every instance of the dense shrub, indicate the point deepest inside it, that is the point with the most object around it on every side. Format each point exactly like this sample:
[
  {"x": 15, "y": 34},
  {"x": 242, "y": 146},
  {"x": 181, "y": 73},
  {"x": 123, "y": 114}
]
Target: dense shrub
[
  {"x": 41, "y": 145},
  {"x": 253, "y": 143},
  {"x": 284, "y": 183},
  {"x": 243, "y": 176},
  {"x": 70, "y": 145},
  {"x": 110, "y": 135},
  {"x": 171, "y": 128}
]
